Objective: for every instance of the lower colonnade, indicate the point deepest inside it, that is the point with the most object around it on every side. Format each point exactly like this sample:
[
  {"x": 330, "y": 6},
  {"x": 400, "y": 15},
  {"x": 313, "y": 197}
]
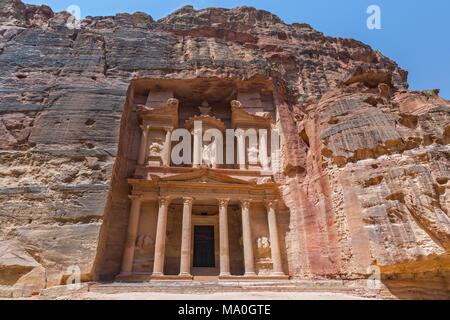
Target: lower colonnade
[{"x": 186, "y": 263}]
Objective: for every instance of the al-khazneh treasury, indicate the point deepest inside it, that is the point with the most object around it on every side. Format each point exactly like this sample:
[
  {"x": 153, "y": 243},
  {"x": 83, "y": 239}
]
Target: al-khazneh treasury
[{"x": 88, "y": 119}]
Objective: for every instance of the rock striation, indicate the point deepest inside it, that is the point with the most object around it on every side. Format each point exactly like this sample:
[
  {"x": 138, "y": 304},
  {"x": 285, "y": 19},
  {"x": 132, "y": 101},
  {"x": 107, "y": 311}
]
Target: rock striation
[{"x": 366, "y": 174}]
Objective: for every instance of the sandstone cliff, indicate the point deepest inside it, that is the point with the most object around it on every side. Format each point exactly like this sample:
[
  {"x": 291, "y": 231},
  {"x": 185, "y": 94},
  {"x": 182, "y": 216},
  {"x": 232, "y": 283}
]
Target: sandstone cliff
[{"x": 365, "y": 175}]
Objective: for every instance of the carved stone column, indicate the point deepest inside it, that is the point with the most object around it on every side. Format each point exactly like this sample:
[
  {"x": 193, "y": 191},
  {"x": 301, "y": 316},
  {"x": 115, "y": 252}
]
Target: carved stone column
[
  {"x": 160, "y": 243},
  {"x": 263, "y": 158},
  {"x": 223, "y": 238},
  {"x": 249, "y": 258},
  {"x": 198, "y": 145},
  {"x": 186, "y": 238},
  {"x": 133, "y": 224},
  {"x": 241, "y": 149},
  {"x": 143, "y": 151},
  {"x": 167, "y": 148},
  {"x": 274, "y": 239}
]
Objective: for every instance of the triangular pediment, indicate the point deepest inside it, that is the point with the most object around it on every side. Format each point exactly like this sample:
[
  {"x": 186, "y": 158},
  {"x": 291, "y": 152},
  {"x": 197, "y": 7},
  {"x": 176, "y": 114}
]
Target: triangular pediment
[{"x": 205, "y": 176}]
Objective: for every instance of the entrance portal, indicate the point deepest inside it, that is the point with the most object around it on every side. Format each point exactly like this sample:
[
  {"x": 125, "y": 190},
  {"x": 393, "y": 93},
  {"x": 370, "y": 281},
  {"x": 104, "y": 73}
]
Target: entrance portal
[{"x": 204, "y": 247}]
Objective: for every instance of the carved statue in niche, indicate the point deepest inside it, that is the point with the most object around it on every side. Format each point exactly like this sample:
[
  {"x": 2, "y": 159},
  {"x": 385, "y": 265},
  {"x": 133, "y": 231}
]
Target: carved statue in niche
[
  {"x": 253, "y": 155},
  {"x": 209, "y": 155},
  {"x": 156, "y": 148},
  {"x": 143, "y": 261},
  {"x": 263, "y": 243},
  {"x": 145, "y": 242},
  {"x": 264, "y": 260}
]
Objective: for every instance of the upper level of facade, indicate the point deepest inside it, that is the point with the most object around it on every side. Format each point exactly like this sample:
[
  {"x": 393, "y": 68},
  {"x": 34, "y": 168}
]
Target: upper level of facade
[{"x": 217, "y": 124}]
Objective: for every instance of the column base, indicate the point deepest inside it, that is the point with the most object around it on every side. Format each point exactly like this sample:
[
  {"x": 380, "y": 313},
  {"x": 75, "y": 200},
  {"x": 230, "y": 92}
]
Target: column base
[
  {"x": 157, "y": 274},
  {"x": 124, "y": 275},
  {"x": 145, "y": 277},
  {"x": 171, "y": 278},
  {"x": 254, "y": 277}
]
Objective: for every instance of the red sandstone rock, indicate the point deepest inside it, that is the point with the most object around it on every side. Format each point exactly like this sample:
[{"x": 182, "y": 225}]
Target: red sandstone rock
[{"x": 366, "y": 169}]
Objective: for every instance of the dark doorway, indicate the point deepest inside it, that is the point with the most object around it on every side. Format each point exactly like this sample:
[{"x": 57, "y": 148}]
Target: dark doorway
[{"x": 204, "y": 247}]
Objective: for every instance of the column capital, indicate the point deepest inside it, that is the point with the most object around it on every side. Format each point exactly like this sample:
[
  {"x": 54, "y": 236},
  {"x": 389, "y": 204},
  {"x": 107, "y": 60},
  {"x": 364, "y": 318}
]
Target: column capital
[
  {"x": 145, "y": 128},
  {"x": 172, "y": 102},
  {"x": 164, "y": 200},
  {"x": 239, "y": 133},
  {"x": 246, "y": 203},
  {"x": 223, "y": 202},
  {"x": 135, "y": 197},
  {"x": 271, "y": 203},
  {"x": 188, "y": 200}
]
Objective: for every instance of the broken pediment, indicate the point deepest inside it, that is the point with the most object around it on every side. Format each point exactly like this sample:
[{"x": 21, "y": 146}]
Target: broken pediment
[
  {"x": 167, "y": 114},
  {"x": 242, "y": 119}
]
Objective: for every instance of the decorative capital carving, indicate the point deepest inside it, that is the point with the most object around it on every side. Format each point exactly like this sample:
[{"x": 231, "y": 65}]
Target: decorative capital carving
[
  {"x": 245, "y": 204},
  {"x": 169, "y": 130},
  {"x": 145, "y": 128},
  {"x": 236, "y": 104},
  {"x": 164, "y": 201},
  {"x": 135, "y": 197},
  {"x": 223, "y": 203},
  {"x": 172, "y": 102},
  {"x": 271, "y": 204},
  {"x": 239, "y": 133},
  {"x": 188, "y": 201}
]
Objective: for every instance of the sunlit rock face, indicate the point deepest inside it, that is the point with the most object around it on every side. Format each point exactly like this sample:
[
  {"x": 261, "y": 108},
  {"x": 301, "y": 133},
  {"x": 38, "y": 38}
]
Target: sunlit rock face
[{"x": 365, "y": 161}]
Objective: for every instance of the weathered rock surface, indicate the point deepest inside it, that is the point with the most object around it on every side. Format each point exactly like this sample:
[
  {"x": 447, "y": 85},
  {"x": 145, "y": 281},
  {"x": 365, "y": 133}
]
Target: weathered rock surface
[{"x": 366, "y": 172}]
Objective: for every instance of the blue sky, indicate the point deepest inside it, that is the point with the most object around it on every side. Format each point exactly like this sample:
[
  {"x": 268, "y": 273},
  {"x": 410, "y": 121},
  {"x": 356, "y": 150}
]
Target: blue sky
[{"x": 414, "y": 33}]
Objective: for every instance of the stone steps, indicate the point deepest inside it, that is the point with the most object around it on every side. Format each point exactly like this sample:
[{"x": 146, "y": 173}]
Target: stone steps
[{"x": 199, "y": 287}]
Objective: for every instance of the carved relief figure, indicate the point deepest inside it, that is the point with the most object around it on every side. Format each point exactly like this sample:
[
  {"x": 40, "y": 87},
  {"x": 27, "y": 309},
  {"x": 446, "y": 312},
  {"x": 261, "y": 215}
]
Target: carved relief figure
[
  {"x": 156, "y": 149},
  {"x": 263, "y": 243},
  {"x": 145, "y": 242},
  {"x": 253, "y": 155},
  {"x": 264, "y": 260},
  {"x": 263, "y": 247},
  {"x": 209, "y": 155}
]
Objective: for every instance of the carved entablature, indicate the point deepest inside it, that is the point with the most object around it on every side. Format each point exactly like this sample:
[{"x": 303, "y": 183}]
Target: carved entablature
[
  {"x": 197, "y": 183},
  {"x": 243, "y": 119}
]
